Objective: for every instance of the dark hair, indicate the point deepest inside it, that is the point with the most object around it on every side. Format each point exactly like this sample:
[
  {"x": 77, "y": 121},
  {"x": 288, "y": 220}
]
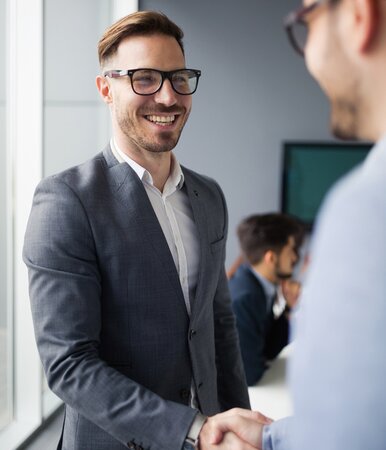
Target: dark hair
[
  {"x": 141, "y": 23},
  {"x": 260, "y": 233}
]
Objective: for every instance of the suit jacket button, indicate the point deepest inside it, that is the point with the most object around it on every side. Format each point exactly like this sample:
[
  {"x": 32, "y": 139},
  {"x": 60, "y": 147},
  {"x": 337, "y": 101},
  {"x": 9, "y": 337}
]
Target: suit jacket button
[
  {"x": 192, "y": 333},
  {"x": 132, "y": 445},
  {"x": 185, "y": 394}
]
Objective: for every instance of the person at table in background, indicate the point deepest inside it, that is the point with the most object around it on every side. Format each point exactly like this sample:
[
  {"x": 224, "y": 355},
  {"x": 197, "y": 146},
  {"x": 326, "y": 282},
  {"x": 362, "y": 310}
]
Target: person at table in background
[
  {"x": 269, "y": 244},
  {"x": 125, "y": 254},
  {"x": 338, "y": 370}
]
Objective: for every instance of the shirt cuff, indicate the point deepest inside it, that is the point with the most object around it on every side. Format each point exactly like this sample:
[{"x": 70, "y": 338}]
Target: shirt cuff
[
  {"x": 277, "y": 435},
  {"x": 196, "y": 426}
]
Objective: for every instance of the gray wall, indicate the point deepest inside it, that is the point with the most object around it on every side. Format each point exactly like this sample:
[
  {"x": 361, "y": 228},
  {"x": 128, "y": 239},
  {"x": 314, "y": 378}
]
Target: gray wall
[
  {"x": 254, "y": 93},
  {"x": 76, "y": 121}
]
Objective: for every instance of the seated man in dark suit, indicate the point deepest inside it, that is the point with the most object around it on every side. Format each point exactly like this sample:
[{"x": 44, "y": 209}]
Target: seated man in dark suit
[{"x": 269, "y": 244}]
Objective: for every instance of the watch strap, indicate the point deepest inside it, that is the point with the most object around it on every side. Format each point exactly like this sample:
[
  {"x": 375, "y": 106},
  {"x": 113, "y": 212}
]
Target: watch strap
[{"x": 191, "y": 441}]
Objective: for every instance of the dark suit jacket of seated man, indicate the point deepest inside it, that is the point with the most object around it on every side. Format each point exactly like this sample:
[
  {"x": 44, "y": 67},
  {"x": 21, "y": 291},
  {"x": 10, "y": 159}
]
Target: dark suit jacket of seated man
[{"x": 269, "y": 244}]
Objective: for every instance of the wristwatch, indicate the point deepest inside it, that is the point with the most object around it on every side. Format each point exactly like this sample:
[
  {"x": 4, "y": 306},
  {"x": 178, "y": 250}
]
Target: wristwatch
[
  {"x": 191, "y": 440},
  {"x": 190, "y": 444}
]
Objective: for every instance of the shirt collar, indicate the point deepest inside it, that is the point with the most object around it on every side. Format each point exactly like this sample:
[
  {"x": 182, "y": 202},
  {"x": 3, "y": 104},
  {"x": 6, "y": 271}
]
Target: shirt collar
[
  {"x": 176, "y": 177},
  {"x": 268, "y": 286}
]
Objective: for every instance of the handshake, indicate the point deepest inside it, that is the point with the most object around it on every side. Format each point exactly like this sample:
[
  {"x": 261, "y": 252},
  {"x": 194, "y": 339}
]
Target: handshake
[{"x": 236, "y": 429}]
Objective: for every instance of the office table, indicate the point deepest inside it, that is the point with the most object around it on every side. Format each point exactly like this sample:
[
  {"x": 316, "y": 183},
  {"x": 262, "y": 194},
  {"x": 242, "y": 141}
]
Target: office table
[{"x": 271, "y": 395}]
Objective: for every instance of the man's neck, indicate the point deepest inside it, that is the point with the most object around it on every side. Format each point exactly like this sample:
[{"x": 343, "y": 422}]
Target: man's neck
[
  {"x": 159, "y": 167},
  {"x": 157, "y": 164},
  {"x": 372, "y": 125},
  {"x": 263, "y": 271}
]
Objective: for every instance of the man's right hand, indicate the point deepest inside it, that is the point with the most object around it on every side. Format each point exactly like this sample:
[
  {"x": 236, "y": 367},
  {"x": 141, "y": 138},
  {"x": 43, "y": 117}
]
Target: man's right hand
[{"x": 236, "y": 429}]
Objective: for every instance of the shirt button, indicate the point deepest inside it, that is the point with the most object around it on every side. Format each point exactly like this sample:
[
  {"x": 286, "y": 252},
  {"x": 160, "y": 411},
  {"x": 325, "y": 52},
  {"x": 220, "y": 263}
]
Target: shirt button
[{"x": 134, "y": 446}]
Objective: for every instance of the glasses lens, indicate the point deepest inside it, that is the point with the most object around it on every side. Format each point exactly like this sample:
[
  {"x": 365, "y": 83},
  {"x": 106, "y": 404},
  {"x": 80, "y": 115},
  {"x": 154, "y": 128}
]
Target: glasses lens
[
  {"x": 185, "y": 81},
  {"x": 146, "y": 81},
  {"x": 299, "y": 36}
]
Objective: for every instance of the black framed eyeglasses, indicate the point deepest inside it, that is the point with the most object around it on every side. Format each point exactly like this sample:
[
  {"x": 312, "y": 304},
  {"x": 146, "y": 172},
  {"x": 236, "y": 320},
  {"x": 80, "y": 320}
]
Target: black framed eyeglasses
[
  {"x": 296, "y": 25},
  {"x": 150, "y": 81}
]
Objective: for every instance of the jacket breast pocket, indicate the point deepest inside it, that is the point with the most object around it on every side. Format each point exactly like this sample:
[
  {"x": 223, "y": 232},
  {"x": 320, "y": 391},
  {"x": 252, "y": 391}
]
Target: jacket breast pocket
[{"x": 217, "y": 245}]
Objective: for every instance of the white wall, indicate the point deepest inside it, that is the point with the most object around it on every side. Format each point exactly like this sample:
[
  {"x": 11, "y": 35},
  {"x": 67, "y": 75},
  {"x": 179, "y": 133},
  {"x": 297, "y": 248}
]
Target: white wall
[{"x": 5, "y": 386}]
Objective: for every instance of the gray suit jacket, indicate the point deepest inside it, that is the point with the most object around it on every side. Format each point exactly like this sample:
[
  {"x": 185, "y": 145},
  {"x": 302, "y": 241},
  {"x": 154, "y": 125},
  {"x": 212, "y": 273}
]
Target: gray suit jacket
[{"x": 110, "y": 321}]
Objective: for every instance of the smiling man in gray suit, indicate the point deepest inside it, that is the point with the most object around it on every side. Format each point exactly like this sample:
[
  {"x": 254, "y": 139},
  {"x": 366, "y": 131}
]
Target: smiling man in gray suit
[{"x": 125, "y": 255}]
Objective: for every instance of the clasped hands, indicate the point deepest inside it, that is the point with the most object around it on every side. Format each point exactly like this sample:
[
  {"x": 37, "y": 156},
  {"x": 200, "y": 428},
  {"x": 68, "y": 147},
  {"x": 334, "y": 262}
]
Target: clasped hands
[{"x": 236, "y": 429}]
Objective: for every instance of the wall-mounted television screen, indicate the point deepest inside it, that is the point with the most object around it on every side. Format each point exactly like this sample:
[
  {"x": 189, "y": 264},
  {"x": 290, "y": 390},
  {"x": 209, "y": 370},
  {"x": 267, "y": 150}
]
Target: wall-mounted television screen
[{"x": 309, "y": 171}]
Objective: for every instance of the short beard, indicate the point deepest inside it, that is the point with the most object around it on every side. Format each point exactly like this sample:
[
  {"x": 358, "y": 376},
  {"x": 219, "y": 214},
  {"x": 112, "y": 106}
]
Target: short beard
[
  {"x": 281, "y": 275},
  {"x": 168, "y": 142},
  {"x": 166, "y": 145}
]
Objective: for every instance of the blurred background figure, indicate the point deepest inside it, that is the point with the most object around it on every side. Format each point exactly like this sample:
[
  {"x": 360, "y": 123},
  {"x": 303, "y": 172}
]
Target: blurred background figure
[
  {"x": 270, "y": 250},
  {"x": 291, "y": 288}
]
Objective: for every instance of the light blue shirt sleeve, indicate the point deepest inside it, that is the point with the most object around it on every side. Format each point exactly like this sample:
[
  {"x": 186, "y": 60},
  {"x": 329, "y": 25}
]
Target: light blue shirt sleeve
[{"x": 277, "y": 436}]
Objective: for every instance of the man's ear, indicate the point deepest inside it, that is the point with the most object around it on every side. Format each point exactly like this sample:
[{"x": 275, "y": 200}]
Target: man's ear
[
  {"x": 269, "y": 257},
  {"x": 104, "y": 88},
  {"x": 365, "y": 15}
]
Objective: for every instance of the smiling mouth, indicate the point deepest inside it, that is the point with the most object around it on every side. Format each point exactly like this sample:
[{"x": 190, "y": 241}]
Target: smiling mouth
[{"x": 161, "y": 120}]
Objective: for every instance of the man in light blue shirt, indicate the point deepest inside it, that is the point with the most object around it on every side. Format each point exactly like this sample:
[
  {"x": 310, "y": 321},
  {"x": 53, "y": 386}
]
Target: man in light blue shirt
[{"x": 338, "y": 371}]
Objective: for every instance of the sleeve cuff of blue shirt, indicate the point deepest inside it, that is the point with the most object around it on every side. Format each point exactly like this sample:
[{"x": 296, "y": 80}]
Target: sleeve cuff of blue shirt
[{"x": 277, "y": 435}]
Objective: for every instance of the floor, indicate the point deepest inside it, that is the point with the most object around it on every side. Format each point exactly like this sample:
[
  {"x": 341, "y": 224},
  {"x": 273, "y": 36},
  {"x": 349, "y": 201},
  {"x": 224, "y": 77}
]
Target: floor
[{"x": 48, "y": 437}]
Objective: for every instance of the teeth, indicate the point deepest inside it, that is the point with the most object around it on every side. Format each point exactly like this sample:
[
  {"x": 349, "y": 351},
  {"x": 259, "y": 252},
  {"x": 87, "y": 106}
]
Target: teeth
[{"x": 161, "y": 119}]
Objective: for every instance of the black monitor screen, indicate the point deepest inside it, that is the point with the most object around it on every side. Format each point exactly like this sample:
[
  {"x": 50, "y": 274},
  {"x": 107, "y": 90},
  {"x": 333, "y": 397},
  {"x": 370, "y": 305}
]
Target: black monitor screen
[{"x": 310, "y": 169}]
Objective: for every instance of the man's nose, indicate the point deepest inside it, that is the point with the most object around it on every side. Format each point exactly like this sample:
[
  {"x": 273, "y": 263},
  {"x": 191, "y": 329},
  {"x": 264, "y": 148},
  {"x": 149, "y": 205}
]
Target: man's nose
[{"x": 166, "y": 95}]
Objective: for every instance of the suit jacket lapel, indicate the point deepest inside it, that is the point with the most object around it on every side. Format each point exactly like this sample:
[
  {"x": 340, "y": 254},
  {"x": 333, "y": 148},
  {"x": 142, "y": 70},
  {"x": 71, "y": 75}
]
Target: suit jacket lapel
[
  {"x": 130, "y": 192},
  {"x": 196, "y": 199}
]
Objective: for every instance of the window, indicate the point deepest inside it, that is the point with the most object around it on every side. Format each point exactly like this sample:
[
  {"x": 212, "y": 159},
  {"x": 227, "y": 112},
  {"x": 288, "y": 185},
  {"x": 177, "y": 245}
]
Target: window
[{"x": 5, "y": 239}]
